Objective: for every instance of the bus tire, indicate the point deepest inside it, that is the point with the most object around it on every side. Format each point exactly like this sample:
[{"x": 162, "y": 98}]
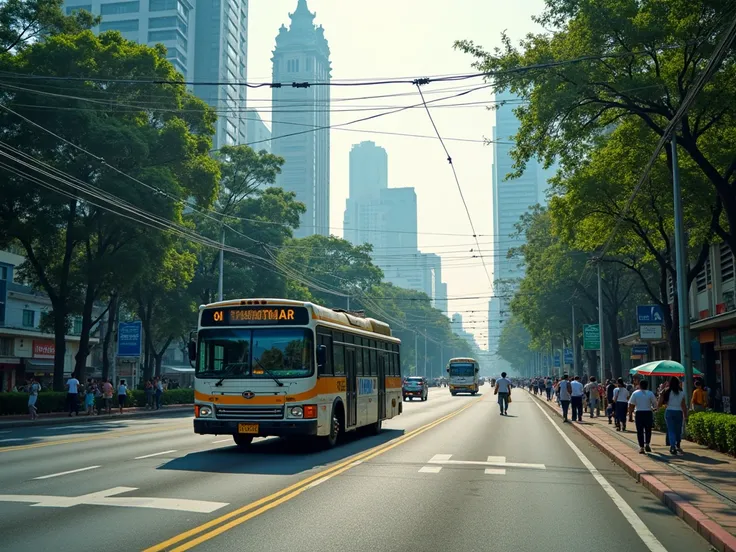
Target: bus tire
[
  {"x": 330, "y": 441},
  {"x": 243, "y": 441},
  {"x": 375, "y": 428}
]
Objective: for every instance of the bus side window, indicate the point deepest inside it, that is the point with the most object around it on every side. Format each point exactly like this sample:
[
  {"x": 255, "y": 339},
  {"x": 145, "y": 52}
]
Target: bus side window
[
  {"x": 338, "y": 356},
  {"x": 358, "y": 358},
  {"x": 326, "y": 340},
  {"x": 398, "y": 360},
  {"x": 374, "y": 360}
]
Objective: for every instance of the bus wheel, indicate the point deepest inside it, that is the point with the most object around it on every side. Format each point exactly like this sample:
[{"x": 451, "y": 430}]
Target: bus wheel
[
  {"x": 331, "y": 440},
  {"x": 375, "y": 429},
  {"x": 243, "y": 441}
]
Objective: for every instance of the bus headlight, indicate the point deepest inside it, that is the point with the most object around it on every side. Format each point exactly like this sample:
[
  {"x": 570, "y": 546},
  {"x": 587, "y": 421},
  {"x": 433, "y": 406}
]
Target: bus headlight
[
  {"x": 295, "y": 412},
  {"x": 204, "y": 411}
]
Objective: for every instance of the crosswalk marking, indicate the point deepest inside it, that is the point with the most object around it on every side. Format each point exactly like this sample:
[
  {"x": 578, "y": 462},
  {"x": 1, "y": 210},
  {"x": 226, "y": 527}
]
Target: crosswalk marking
[
  {"x": 496, "y": 459},
  {"x": 495, "y": 471},
  {"x": 430, "y": 469}
]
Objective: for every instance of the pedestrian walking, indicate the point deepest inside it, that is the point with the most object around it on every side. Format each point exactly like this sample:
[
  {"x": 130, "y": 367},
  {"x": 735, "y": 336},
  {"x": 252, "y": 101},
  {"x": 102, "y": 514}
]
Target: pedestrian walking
[
  {"x": 159, "y": 385},
  {"x": 675, "y": 414},
  {"x": 72, "y": 395},
  {"x": 564, "y": 390},
  {"x": 642, "y": 404},
  {"x": 594, "y": 398},
  {"x": 33, "y": 388},
  {"x": 620, "y": 404},
  {"x": 503, "y": 390},
  {"x": 149, "y": 394},
  {"x": 122, "y": 395},
  {"x": 699, "y": 399},
  {"x": 576, "y": 399},
  {"x": 107, "y": 395},
  {"x": 548, "y": 387},
  {"x": 89, "y": 397}
]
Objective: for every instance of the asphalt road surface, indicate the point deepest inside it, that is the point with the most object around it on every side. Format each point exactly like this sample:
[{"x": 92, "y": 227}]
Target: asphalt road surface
[{"x": 449, "y": 474}]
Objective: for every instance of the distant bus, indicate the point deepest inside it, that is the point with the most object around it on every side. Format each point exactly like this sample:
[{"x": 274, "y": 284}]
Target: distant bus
[
  {"x": 463, "y": 375},
  {"x": 292, "y": 368}
]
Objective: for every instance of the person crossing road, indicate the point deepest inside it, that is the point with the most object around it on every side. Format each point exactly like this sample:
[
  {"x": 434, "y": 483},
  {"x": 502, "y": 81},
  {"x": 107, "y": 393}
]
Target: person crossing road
[{"x": 503, "y": 390}]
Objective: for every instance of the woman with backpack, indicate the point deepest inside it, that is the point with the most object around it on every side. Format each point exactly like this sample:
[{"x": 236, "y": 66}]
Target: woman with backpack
[{"x": 675, "y": 414}]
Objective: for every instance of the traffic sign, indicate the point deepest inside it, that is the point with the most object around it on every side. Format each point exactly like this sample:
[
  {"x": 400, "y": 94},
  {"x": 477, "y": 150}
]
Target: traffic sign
[
  {"x": 649, "y": 314},
  {"x": 557, "y": 360},
  {"x": 568, "y": 356},
  {"x": 650, "y": 331},
  {"x": 591, "y": 337},
  {"x": 641, "y": 349}
]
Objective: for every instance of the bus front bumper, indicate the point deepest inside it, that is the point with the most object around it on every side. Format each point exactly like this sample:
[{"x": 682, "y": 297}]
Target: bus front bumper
[{"x": 265, "y": 428}]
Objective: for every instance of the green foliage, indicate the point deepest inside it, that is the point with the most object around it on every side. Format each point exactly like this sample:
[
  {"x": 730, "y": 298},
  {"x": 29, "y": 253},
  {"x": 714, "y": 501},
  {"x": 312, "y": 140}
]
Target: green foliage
[
  {"x": 713, "y": 430},
  {"x": 514, "y": 345}
]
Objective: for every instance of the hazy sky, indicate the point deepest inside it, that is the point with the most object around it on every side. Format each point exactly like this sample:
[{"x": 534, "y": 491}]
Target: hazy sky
[{"x": 410, "y": 38}]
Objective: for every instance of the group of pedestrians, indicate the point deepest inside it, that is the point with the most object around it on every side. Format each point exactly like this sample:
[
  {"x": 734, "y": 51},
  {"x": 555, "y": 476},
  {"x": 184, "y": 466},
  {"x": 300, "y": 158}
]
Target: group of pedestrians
[
  {"x": 154, "y": 389},
  {"x": 94, "y": 392}
]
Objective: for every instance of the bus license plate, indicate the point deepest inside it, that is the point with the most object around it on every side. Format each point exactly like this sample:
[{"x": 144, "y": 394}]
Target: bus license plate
[{"x": 248, "y": 428}]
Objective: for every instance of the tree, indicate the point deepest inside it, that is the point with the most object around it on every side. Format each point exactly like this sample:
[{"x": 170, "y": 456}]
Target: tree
[
  {"x": 56, "y": 197},
  {"x": 594, "y": 198},
  {"x": 514, "y": 344},
  {"x": 25, "y": 21},
  {"x": 608, "y": 61}
]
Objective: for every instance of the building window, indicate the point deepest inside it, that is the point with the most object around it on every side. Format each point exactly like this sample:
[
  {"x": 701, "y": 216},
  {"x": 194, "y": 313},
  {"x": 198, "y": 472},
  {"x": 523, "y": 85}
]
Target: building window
[
  {"x": 120, "y": 7},
  {"x": 726, "y": 263},
  {"x": 71, "y": 10},
  {"x": 6, "y": 346},
  {"x": 292, "y": 66},
  {"x": 161, "y": 36},
  {"x": 230, "y": 139},
  {"x": 3, "y": 272},
  {"x": 183, "y": 27},
  {"x": 122, "y": 26},
  {"x": 230, "y": 128},
  {"x": 162, "y": 22},
  {"x": 703, "y": 278},
  {"x": 161, "y": 5},
  {"x": 77, "y": 326},
  {"x": 29, "y": 318},
  {"x": 231, "y": 51},
  {"x": 183, "y": 10}
]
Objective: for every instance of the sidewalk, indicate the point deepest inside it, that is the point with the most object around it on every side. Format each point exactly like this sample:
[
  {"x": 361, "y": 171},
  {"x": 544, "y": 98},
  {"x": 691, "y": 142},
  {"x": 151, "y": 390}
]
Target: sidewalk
[
  {"x": 699, "y": 486},
  {"x": 58, "y": 418}
]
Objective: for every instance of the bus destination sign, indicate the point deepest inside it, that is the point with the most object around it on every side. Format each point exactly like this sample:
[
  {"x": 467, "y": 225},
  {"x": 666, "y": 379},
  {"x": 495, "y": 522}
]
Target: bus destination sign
[{"x": 252, "y": 315}]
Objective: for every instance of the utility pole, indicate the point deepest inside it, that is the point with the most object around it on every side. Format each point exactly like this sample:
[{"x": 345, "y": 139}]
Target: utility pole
[
  {"x": 574, "y": 345},
  {"x": 600, "y": 324},
  {"x": 416, "y": 352},
  {"x": 425, "y": 353},
  {"x": 222, "y": 266},
  {"x": 681, "y": 265}
]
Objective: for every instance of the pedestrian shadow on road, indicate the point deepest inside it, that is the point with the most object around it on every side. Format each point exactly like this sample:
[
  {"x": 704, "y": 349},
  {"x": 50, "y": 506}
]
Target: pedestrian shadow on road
[{"x": 277, "y": 456}]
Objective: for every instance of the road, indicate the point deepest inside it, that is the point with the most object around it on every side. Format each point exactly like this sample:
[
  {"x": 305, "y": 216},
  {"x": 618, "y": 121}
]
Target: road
[{"x": 448, "y": 474}]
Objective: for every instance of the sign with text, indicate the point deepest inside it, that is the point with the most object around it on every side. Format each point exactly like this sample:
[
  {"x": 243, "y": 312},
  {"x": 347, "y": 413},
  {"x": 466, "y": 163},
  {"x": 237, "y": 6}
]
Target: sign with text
[
  {"x": 129, "y": 339},
  {"x": 591, "y": 337},
  {"x": 255, "y": 315},
  {"x": 568, "y": 356},
  {"x": 640, "y": 349},
  {"x": 44, "y": 349},
  {"x": 557, "y": 360},
  {"x": 649, "y": 314},
  {"x": 650, "y": 332}
]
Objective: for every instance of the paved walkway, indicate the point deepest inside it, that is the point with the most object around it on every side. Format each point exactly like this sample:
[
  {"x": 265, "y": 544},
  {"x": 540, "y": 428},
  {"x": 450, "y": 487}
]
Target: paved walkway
[
  {"x": 699, "y": 486},
  {"x": 54, "y": 418}
]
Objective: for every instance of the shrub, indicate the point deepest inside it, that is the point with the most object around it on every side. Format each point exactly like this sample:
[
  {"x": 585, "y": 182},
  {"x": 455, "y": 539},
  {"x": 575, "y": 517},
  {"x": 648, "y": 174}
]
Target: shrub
[
  {"x": 714, "y": 430},
  {"x": 659, "y": 423}
]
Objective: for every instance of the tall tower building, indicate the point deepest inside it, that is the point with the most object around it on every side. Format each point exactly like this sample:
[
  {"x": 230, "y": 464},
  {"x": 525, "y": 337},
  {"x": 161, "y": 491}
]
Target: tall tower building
[
  {"x": 205, "y": 41},
  {"x": 303, "y": 55},
  {"x": 511, "y": 199},
  {"x": 368, "y": 170}
]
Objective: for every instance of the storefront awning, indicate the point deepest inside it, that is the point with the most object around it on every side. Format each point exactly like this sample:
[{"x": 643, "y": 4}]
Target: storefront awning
[{"x": 725, "y": 320}]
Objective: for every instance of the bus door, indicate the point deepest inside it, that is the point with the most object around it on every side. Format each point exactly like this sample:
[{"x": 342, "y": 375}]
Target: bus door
[
  {"x": 381, "y": 386},
  {"x": 351, "y": 393}
]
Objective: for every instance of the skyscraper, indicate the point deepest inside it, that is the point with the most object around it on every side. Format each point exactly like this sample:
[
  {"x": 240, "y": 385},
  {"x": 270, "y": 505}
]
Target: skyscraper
[
  {"x": 303, "y": 55},
  {"x": 511, "y": 199},
  {"x": 206, "y": 41},
  {"x": 258, "y": 135},
  {"x": 368, "y": 170}
]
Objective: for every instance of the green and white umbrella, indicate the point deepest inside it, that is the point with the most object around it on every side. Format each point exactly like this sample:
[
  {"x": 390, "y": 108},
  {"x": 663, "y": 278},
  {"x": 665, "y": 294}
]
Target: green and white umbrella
[{"x": 664, "y": 368}]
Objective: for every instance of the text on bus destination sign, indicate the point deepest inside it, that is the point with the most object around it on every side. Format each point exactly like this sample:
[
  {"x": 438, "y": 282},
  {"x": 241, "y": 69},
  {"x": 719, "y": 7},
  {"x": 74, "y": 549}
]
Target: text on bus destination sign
[{"x": 245, "y": 315}]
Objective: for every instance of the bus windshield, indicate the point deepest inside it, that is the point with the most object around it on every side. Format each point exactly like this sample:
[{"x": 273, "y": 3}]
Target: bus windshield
[
  {"x": 462, "y": 370},
  {"x": 241, "y": 353}
]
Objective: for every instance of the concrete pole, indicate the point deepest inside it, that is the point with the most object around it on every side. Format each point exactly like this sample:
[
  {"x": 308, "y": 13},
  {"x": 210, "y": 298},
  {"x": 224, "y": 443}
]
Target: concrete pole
[
  {"x": 222, "y": 266},
  {"x": 574, "y": 366},
  {"x": 600, "y": 324},
  {"x": 681, "y": 267}
]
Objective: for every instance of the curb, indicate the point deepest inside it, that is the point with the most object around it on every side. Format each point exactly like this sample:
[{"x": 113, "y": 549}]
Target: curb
[
  {"x": 88, "y": 419},
  {"x": 716, "y": 535}
]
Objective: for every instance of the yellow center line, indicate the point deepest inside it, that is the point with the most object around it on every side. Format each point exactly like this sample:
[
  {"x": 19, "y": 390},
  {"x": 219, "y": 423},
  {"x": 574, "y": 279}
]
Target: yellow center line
[
  {"x": 256, "y": 508},
  {"x": 113, "y": 434}
]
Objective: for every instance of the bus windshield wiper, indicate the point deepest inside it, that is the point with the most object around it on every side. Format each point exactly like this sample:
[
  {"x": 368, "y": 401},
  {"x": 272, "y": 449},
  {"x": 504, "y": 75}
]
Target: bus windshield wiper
[
  {"x": 269, "y": 373},
  {"x": 228, "y": 372}
]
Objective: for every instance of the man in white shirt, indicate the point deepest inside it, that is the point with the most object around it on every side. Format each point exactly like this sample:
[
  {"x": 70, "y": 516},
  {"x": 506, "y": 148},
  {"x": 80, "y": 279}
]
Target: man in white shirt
[
  {"x": 645, "y": 403},
  {"x": 503, "y": 390},
  {"x": 72, "y": 395},
  {"x": 565, "y": 389},
  {"x": 576, "y": 398}
]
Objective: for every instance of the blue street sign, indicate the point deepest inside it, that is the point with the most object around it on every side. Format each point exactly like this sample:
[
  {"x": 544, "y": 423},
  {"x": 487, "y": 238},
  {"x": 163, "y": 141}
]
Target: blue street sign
[
  {"x": 649, "y": 314},
  {"x": 557, "y": 360},
  {"x": 129, "y": 339},
  {"x": 568, "y": 356},
  {"x": 641, "y": 349}
]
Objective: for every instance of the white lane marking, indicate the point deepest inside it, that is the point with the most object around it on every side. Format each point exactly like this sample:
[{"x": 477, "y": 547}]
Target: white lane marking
[
  {"x": 106, "y": 498},
  {"x": 497, "y": 459},
  {"x": 430, "y": 469},
  {"x": 54, "y": 428},
  {"x": 440, "y": 458},
  {"x": 495, "y": 471},
  {"x": 223, "y": 441},
  {"x": 356, "y": 463},
  {"x": 495, "y": 464},
  {"x": 318, "y": 482},
  {"x": 651, "y": 542},
  {"x": 12, "y": 440},
  {"x": 154, "y": 454},
  {"x": 66, "y": 472}
]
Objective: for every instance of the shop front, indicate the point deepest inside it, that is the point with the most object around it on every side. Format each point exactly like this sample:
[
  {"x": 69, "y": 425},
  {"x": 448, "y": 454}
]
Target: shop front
[{"x": 717, "y": 338}]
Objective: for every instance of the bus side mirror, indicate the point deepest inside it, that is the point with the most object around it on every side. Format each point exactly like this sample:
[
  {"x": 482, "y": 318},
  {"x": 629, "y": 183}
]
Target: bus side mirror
[
  {"x": 448, "y": 370},
  {"x": 321, "y": 355},
  {"x": 192, "y": 348},
  {"x": 477, "y": 370}
]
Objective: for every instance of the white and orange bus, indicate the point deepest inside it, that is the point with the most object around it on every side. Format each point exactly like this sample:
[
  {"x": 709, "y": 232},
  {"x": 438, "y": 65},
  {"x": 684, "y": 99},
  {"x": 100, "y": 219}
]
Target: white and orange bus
[{"x": 291, "y": 368}]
